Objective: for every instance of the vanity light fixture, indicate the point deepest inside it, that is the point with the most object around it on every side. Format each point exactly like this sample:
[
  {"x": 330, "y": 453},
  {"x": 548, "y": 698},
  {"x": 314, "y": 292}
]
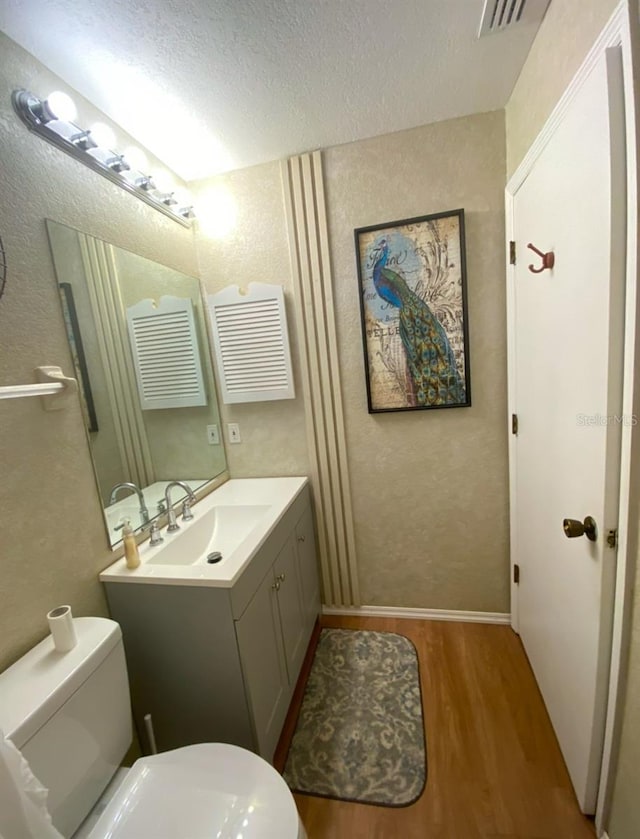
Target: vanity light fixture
[{"x": 53, "y": 119}]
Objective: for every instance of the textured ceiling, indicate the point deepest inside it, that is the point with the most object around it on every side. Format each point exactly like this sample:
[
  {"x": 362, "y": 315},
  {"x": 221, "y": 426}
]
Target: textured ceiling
[{"x": 212, "y": 85}]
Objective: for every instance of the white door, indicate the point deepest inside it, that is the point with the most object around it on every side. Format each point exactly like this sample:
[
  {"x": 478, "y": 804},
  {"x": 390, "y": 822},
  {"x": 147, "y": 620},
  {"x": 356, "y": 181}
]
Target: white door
[{"x": 566, "y": 391}]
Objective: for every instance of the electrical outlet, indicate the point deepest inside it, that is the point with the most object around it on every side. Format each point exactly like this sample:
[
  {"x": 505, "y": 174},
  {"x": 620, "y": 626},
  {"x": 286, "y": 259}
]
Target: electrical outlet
[
  {"x": 213, "y": 437},
  {"x": 233, "y": 432}
]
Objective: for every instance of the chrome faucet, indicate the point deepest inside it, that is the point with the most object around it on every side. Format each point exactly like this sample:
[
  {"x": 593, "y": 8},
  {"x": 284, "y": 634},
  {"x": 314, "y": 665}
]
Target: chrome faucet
[
  {"x": 144, "y": 512},
  {"x": 186, "y": 507}
]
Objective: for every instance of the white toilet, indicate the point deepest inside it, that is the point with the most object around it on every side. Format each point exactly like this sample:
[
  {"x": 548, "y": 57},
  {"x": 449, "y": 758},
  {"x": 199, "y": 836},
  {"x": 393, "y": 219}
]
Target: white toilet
[{"x": 69, "y": 715}]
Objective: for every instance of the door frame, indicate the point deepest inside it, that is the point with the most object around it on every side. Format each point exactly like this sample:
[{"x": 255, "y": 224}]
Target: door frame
[{"x": 617, "y": 33}]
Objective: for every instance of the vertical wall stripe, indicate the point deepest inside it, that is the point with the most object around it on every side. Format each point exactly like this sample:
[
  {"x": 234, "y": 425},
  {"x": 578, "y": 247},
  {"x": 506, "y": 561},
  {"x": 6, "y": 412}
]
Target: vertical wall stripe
[
  {"x": 345, "y": 487},
  {"x": 310, "y": 263},
  {"x": 111, "y": 332}
]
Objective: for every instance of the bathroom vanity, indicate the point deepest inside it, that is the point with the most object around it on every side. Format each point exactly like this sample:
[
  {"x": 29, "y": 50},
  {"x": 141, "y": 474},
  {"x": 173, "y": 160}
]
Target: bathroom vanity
[{"x": 214, "y": 649}]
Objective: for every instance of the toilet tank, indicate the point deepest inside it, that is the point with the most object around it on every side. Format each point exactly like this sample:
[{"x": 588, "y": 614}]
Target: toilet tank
[{"x": 70, "y": 716}]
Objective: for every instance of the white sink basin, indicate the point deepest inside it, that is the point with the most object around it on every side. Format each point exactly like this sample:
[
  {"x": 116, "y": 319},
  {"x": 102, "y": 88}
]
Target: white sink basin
[
  {"x": 234, "y": 520},
  {"x": 221, "y": 529}
]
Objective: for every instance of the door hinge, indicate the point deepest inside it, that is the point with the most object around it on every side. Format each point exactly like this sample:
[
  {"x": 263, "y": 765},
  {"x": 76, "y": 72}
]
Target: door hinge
[
  {"x": 516, "y": 573},
  {"x": 514, "y": 423},
  {"x": 512, "y": 253},
  {"x": 612, "y": 538}
]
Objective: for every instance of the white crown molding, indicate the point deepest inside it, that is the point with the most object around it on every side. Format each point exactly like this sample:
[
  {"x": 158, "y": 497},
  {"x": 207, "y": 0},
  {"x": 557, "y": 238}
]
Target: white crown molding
[{"x": 418, "y": 614}]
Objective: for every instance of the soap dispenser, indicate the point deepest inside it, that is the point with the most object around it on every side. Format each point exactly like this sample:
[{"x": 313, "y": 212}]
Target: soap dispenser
[{"x": 131, "y": 554}]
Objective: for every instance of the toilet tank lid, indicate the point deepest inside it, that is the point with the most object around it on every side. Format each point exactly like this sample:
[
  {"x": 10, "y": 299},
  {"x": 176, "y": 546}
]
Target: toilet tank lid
[{"x": 40, "y": 682}]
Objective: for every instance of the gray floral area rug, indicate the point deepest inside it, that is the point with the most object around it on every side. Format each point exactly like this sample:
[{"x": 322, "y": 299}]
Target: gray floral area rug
[{"x": 360, "y": 733}]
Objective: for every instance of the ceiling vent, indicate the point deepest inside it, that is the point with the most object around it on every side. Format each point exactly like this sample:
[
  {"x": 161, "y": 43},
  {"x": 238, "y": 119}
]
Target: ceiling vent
[{"x": 503, "y": 15}]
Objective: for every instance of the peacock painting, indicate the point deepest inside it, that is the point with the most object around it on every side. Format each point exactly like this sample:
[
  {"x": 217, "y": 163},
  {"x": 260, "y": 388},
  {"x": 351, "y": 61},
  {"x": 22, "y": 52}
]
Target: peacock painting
[{"x": 414, "y": 313}]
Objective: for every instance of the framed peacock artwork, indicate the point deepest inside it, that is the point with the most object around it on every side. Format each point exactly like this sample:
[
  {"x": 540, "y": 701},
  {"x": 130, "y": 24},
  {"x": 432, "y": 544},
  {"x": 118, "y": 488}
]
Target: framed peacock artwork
[{"x": 413, "y": 302}]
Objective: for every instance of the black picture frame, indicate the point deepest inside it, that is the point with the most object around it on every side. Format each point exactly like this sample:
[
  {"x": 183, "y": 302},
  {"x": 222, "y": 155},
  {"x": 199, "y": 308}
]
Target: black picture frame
[
  {"x": 77, "y": 352},
  {"x": 412, "y": 281}
]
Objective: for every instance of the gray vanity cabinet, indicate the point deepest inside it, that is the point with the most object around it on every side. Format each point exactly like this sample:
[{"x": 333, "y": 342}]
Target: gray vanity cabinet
[
  {"x": 272, "y": 639},
  {"x": 288, "y": 589},
  {"x": 220, "y": 664},
  {"x": 308, "y": 568},
  {"x": 263, "y": 665}
]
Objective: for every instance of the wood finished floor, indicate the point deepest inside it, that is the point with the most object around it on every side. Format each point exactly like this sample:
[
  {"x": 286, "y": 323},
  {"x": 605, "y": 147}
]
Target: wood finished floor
[{"x": 495, "y": 770}]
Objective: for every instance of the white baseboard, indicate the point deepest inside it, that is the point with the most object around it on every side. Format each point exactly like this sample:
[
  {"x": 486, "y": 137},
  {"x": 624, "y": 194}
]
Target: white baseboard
[{"x": 418, "y": 614}]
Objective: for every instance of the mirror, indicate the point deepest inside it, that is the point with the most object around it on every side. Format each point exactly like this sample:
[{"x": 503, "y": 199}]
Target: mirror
[{"x": 138, "y": 337}]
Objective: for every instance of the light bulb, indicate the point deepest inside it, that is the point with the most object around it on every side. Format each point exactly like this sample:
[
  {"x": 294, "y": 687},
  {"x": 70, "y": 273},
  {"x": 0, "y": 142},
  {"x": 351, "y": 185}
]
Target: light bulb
[
  {"x": 217, "y": 212},
  {"x": 61, "y": 106},
  {"x": 163, "y": 181},
  {"x": 102, "y": 135},
  {"x": 136, "y": 158},
  {"x": 184, "y": 203},
  {"x": 183, "y": 197}
]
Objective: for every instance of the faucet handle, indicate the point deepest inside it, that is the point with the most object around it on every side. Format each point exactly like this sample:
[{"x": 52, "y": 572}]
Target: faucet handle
[
  {"x": 154, "y": 533},
  {"x": 187, "y": 513}
]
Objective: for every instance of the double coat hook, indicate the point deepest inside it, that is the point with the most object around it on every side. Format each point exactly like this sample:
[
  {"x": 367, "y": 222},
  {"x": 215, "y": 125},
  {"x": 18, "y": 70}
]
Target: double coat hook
[{"x": 548, "y": 260}]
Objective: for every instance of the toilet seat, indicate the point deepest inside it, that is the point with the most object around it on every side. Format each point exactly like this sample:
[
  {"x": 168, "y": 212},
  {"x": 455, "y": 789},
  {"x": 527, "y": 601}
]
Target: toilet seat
[{"x": 201, "y": 791}]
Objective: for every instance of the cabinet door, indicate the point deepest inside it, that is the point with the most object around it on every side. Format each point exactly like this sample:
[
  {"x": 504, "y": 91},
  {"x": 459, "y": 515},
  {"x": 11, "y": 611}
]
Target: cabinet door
[
  {"x": 292, "y": 615},
  {"x": 263, "y": 665},
  {"x": 308, "y": 568}
]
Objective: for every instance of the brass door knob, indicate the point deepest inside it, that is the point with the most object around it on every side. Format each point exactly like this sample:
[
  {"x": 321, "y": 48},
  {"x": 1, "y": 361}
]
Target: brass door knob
[{"x": 573, "y": 528}]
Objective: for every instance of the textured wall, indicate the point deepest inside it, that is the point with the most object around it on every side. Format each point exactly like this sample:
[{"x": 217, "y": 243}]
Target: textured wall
[
  {"x": 567, "y": 33},
  {"x": 273, "y": 433},
  {"x": 53, "y": 537},
  {"x": 429, "y": 487},
  {"x": 424, "y": 539}
]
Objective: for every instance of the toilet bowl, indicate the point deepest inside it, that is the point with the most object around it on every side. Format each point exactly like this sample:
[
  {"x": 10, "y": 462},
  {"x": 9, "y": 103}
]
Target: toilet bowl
[
  {"x": 206, "y": 791},
  {"x": 69, "y": 715}
]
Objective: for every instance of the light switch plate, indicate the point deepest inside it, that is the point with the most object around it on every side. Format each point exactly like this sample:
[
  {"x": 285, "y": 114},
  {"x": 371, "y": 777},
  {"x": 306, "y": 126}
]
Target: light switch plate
[
  {"x": 213, "y": 437},
  {"x": 233, "y": 432}
]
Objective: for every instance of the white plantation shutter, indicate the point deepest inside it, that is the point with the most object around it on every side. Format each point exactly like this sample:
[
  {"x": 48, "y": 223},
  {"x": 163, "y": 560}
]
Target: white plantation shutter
[
  {"x": 164, "y": 343},
  {"x": 251, "y": 344}
]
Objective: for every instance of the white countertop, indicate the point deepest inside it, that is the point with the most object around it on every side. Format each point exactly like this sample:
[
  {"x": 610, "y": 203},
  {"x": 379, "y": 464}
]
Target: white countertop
[{"x": 277, "y": 493}]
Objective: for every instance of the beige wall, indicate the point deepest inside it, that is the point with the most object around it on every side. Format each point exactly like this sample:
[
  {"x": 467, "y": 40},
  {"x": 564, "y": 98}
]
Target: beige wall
[
  {"x": 567, "y": 33},
  {"x": 53, "y": 538},
  {"x": 257, "y": 250},
  {"x": 430, "y": 488}
]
